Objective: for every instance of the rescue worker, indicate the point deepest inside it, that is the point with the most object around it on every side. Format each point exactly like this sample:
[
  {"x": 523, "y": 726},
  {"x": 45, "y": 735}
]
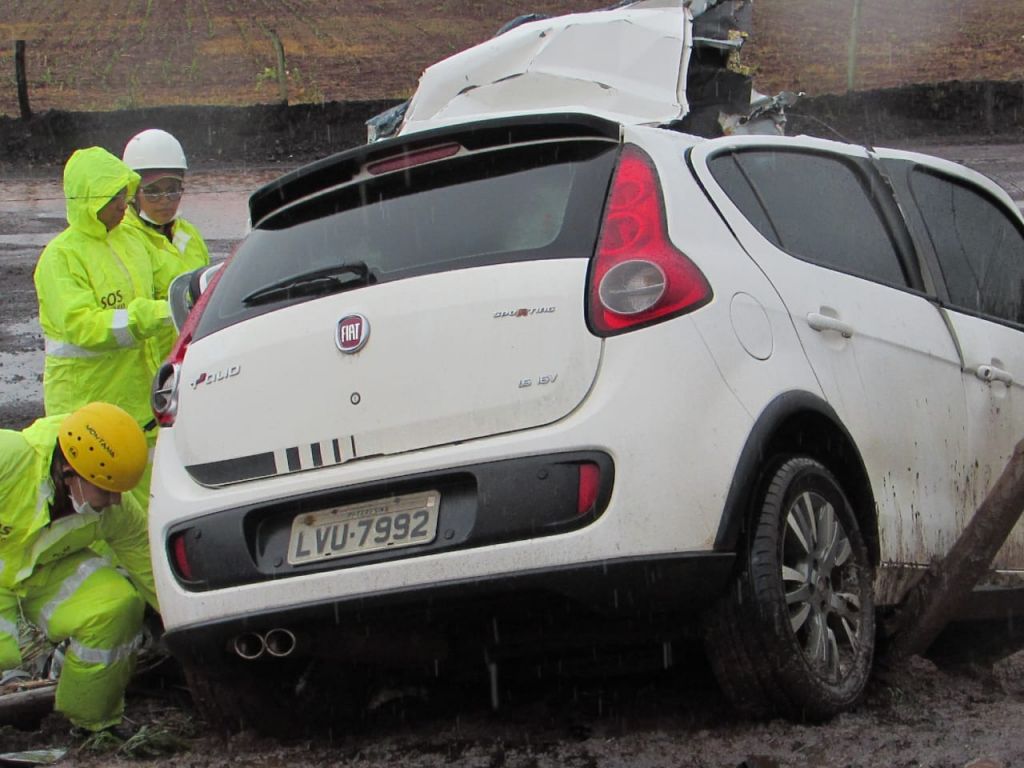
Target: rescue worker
[
  {"x": 95, "y": 290},
  {"x": 62, "y": 480},
  {"x": 97, "y": 308},
  {"x": 174, "y": 244}
]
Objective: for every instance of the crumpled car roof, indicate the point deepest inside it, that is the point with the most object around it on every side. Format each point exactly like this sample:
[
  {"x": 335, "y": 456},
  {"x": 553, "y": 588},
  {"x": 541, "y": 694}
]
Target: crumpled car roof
[{"x": 628, "y": 63}]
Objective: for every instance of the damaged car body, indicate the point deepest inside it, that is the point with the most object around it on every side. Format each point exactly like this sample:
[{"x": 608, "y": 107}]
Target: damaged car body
[
  {"x": 638, "y": 62},
  {"x": 553, "y": 374}
]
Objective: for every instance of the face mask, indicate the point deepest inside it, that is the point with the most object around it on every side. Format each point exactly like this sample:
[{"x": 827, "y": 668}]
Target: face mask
[
  {"x": 80, "y": 507},
  {"x": 145, "y": 217}
]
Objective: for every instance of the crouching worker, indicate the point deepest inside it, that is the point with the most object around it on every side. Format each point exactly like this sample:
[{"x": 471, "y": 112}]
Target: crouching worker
[{"x": 61, "y": 481}]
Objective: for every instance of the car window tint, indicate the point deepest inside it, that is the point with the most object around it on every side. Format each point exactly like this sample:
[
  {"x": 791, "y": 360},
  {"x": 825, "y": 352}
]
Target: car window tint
[
  {"x": 980, "y": 248},
  {"x": 812, "y": 206},
  {"x": 534, "y": 201}
]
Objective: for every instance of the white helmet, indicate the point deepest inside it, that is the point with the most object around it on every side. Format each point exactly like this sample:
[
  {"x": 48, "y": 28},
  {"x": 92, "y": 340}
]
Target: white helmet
[{"x": 154, "y": 148}]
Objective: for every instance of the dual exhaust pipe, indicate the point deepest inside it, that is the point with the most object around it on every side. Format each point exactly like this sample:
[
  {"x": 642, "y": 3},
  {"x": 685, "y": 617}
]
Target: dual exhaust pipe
[{"x": 278, "y": 642}]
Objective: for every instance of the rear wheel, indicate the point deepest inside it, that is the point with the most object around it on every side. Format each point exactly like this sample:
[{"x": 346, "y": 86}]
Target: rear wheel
[{"x": 795, "y": 635}]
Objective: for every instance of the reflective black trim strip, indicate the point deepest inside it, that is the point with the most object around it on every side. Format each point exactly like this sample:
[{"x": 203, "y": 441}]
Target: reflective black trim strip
[
  {"x": 234, "y": 470},
  {"x": 283, "y": 461}
]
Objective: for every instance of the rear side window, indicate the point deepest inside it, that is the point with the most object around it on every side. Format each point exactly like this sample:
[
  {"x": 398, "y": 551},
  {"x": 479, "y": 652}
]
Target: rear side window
[
  {"x": 526, "y": 202},
  {"x": 978, "y": 244},
  {"x": 813, "y": 206}
]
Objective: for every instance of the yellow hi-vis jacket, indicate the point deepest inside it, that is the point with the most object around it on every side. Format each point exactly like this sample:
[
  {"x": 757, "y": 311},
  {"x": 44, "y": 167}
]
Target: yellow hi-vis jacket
[
  {"x": 51, "y": 575},
  {"x": 29, "y": 540},
  {"x": 96, "y": 298},
  {"x": 185, "y": 251}
]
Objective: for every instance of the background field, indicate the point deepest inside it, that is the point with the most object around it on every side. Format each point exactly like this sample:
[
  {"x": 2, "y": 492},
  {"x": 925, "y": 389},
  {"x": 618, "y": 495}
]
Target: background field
[{"x": 100, "y": 55}]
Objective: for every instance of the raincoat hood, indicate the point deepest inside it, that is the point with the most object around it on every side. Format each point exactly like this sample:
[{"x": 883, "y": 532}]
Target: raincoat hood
[
  {"x": 41, "y": 436},
  {"x": 91, "y": 177}
]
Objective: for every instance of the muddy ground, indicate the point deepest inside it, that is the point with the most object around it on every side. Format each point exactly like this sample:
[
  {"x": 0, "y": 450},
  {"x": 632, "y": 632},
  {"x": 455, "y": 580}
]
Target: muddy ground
[
  {"x": 948, "y": 714},
  {"x": 963, "y": 704}
]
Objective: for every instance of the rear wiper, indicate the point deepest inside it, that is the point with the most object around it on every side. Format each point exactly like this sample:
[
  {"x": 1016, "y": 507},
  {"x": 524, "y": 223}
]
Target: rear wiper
[{"x": 319, "y": 281}]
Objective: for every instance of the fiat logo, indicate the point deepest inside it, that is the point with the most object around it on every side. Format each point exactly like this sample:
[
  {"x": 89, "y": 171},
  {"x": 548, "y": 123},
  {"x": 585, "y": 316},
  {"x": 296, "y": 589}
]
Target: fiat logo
[{"x": 352, "y": 333}]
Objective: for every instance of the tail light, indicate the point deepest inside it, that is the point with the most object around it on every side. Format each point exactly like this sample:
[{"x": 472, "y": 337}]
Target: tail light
[
  {"x": 638, "y": 277},
  {"x": 414, "y": 158},
  {"x": 179, "y": 555},
  {"x": 589, "y": 488},
  {"x": 186, "y": 558},
  {"x": 163, "y": 398}
]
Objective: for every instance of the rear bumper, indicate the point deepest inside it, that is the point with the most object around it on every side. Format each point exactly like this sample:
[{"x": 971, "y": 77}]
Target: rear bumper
[
  {"x": 480, "y": 504},
  {"x": 435, "y": 622}
]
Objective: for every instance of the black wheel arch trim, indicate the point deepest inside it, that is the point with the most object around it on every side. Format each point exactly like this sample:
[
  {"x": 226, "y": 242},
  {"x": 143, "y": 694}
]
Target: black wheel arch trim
[{"x": 761, "y": 444}]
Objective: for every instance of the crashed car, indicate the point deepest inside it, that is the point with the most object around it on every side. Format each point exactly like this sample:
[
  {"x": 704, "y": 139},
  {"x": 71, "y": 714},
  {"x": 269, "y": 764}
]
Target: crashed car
[{"x": 542, "y": 374}]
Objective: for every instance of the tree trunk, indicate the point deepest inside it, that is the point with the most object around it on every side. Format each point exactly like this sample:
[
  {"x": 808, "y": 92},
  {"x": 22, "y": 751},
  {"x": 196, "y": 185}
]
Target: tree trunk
[
  {"x": 948, "y": 583},
  {"x": 22, "y": 79}
]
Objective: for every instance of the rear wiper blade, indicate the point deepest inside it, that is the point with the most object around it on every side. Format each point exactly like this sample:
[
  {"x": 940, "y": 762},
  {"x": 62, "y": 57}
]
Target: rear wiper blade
[{"x": 324, "y": 280}]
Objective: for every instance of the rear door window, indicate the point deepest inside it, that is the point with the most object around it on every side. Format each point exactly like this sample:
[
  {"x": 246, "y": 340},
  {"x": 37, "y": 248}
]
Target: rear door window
[
  {"x": 816, "y": 207},
  {"x": 979, "y": 246}
]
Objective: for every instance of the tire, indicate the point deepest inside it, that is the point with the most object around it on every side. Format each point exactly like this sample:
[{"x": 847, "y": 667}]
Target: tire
[{"x": 795, "y": 635}]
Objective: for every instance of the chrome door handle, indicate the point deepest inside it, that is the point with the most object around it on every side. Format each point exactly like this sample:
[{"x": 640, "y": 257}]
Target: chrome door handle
[
  {"x": 821, "y": 322},
  {"x": 990, "y": 373}
]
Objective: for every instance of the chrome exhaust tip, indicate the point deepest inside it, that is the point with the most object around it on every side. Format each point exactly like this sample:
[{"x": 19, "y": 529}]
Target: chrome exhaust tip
[
  {"x": 280, "y": 642},
  {"x": 249, "y": 645}
]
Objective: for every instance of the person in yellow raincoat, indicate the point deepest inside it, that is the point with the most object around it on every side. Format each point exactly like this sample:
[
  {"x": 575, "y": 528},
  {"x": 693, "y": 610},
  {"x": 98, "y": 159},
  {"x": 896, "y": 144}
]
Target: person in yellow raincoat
[
  {"x": 97, "y": 304},
  {"x": 61, "y": 481},
  {"x": 175, "y": 245}
]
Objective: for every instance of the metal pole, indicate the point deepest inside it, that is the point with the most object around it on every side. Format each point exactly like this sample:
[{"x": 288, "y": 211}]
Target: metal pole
[{"x": 851, "y": 61}]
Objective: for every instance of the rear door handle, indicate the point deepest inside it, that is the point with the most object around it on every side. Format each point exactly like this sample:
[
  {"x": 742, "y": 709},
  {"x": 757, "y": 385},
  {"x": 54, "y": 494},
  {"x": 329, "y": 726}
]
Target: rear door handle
[
  {"x": 821, "y": 322},
  {"x": 990, "y": 373}
]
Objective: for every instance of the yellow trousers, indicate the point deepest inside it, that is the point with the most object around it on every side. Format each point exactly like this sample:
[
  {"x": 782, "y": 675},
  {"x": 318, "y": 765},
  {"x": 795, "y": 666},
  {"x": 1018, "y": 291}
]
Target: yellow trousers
[{"x": 83, "y": 599}]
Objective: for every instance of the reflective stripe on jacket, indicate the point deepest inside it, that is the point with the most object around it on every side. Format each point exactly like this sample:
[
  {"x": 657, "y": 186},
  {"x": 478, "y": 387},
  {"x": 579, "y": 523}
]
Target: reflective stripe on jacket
[{"x": 96, "y": 298}]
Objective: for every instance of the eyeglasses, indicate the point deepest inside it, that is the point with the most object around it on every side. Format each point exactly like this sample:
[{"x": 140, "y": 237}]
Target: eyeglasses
[{"x": 156, "y": 195}]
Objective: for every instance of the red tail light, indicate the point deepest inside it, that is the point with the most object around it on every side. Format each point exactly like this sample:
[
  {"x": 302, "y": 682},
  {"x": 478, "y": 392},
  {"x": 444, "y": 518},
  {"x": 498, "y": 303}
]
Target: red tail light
[
  {"x": 164, "y": 396},
  {"x": 417, "y": 157},
  {"x": 590, "y": 486},
  {"x": 638, "y": 277},
  {"x": 179, "y": 555}
]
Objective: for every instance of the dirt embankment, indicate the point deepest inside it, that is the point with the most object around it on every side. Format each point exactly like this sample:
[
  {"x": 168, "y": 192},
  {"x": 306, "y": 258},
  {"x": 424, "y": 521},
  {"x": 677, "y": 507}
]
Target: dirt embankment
[
  {"x": 235, "y": 136},
  {"x": 975, "y": 111}
]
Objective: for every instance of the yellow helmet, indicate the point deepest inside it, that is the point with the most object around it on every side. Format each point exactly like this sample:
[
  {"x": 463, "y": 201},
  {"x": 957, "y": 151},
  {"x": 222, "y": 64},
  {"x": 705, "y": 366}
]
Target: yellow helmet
[{"x": 104, "y": 445}]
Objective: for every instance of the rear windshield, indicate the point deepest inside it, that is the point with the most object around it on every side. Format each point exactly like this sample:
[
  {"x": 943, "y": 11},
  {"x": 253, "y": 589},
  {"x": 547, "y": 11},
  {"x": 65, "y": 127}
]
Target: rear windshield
[{"x": 527, "y": 202}]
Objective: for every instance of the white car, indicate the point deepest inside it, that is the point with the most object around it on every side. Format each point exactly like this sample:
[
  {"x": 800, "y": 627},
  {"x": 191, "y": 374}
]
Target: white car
[{"x": 523, "y": 378}]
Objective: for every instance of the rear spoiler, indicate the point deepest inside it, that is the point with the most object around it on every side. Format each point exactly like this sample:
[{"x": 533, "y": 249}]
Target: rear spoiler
[{"x": 342, "y": 167}]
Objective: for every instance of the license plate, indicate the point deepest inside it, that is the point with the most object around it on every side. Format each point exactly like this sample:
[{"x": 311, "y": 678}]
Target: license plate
[{"x": 354, "y": 529}]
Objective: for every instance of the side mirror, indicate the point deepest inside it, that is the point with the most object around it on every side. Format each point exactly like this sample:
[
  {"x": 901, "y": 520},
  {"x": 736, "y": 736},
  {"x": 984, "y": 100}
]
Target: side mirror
[{"x": 185, "y": 291}]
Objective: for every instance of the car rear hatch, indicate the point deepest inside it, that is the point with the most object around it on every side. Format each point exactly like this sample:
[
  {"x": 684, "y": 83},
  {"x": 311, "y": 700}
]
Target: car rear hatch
[{"x": 407, "y": 294}]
